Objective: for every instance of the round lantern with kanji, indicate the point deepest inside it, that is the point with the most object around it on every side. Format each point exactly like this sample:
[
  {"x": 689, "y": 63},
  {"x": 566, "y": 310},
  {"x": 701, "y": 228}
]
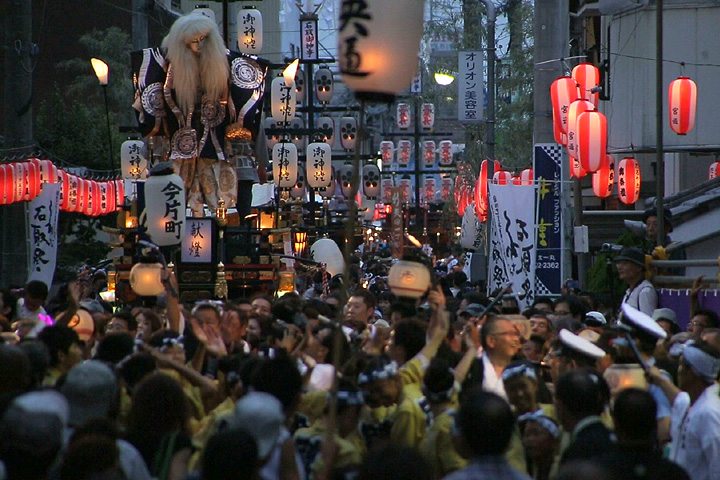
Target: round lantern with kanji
[
  {"x": 604, "y": 178},
  {"x": 591, "y": 140},
  {"x": 682, "y": 105},
  {"x": 576, "y": 108},
  {"x": 628, "y": 178},
  {"x": 563, "y": 91}
]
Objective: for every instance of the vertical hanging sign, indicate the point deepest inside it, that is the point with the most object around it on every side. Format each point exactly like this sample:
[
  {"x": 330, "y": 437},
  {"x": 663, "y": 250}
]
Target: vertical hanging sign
[
  {"x": 42, "y": 223},
  {"x": 309, "y": 37},
  {"x": 396, "y": 221},
  {"x": 548, "y": 172},
  {"x": 470, "y": 87}
]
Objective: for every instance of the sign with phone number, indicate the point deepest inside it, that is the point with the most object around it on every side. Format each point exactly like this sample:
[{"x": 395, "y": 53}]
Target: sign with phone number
[{"x": 548, "y": 172}]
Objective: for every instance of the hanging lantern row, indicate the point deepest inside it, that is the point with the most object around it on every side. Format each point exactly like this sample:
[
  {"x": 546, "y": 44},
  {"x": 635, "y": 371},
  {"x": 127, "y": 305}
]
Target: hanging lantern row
[
  {"x": 404, "y": 152},
  {"x": 22, "y": 182}
]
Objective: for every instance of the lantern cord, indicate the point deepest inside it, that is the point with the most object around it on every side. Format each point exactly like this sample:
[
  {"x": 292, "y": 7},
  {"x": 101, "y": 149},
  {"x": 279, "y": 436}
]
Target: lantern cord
[{"x": 665, "y": 60}]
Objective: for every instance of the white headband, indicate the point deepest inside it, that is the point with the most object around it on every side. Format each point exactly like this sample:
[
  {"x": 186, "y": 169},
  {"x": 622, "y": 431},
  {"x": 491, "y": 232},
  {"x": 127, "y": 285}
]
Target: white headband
[
  {"x": 351, "y": 399},
  {"x": 388, "y": 371},
  {"x": 704, "y": 364},
  {"x": 525, "y": 370},
  {"x": 546, "y": 422}
]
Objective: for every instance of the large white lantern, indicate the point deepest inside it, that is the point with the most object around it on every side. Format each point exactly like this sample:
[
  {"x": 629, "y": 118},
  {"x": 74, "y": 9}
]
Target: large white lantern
[
  {"x": 348, "y": 132},
  {"x": 329, "y": 191},
  {"x": 133, "y": 160},
  {"x": 378, "y": 45},
  {"x": 283, "y": 100},
  {"x": 409, "y": 279},
  {"x": 319, "y": 165},
  {"x": 285, "y": 165},
  {"x": 386, "y": 186},
  {"x": 165, "y": 205},
  {"x": 430, "y": 188},
  {"x": 428, "y": 153},
  {"x": 407, "y": 191},
  {"x": 327, "y": 252},
  {"x": 146, "y": 280},
  {"x": 403, "y": 116},
  {"x": 298, "y": 190},
  {"x": 250, "y": 31},
  {"x": 404, "y": 152},
  {"x": 371, "y": 181},
  {"x": 344, "y": 177},
  {"x": 327, "y": 123},
  {"x": 297, "y": 139},
  {"x": 446, "y": 157},
  {"x": 469, "y": 229},
  {"x": 427, "y": 116},
  {"x": 387, "y": 153},
  {"x": 446, "y": 186},
  {"x": 324, "y": 85},
  {"x": 300, "y": 89},
  {"x": 272, "y": 140}
]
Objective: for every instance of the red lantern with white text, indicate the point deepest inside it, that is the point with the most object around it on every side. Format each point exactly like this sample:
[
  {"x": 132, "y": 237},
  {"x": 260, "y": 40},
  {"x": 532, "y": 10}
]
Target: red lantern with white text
[
  {"x": 576, "y": 108},
  {"x": 604, "y": 178},
  {"x": 587, "y": 77},
  {"x": 592, "y": 140},
  {"x": 628, "y": 180},
  {"x": 682, "y": 105},
  {"x": 563, "y": 92}
]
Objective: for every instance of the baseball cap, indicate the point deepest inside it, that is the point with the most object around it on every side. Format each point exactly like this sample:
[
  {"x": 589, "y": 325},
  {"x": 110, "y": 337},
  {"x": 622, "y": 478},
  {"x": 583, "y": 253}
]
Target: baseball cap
[
  {"x": 89, "y": 388},
  {"x": 259, "y": 414},
  {"x": 632, "y": 255},
  {"x": 668, "y": 315}
]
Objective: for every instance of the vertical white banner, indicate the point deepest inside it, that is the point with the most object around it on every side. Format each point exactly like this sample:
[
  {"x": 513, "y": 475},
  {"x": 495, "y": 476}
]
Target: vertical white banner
[
  {"x": 512, "y": 240},
  {"x": 42, "y": 224},
  {"x": 470, "y": 84}
]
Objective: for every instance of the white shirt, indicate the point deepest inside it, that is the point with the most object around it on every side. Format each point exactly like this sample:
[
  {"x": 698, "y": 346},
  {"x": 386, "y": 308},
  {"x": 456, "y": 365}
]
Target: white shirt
[
  {"x": 643, "y": 297},
  {"x": 695, "y": 432},
  {"x": 21, "y": 311},
  {"x": 491, "y": 381}
]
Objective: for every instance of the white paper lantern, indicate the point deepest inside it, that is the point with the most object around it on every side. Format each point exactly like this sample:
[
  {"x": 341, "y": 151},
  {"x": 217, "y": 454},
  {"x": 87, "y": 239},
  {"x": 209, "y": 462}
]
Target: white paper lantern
[
  {"x": 378, "y": 45},
  {"x": 427, "y": 116},
  {"x": 446, "y": 157},
  {"x": 250, "y": 31},
  {"x": 133, "y": 160},
  {"x": 348, "y": 132},
  {"x": 327, "y": 123},
  {"x": 409, "y": 279},
  {"x": 403, "y": 116},
  {"x": 428, "y": 153},
  {"x": 285, "y": 165},
  {"x": 300, "y": 86},
  {"x": 146, "y": 280},
  {"x": 407, "y": 191},
  {"x": 430, "y": 188},
  {"x": 469, "y": 229},
  {"x": 371, "y": 181},
  {"x": 324, "y": 85},
  {"x": 165, "y": 207},
  {"x": 272, "y": 140},
  {"x": 344, "y": 178},
  {"x": 327, "y": 252},
  {"x": 298, "y": 140},
  {"x": 283, "y": 101},
  {"x": 446, "y": 185},
  {"x": 298, "y": 190},
  {"x": 319, "y": 165},
  {"x": 387, "y": 153},
  {"x": 329, "y": 191},
  {"x": 404, "y": 152},
  {"x": 386, "y": 186}
]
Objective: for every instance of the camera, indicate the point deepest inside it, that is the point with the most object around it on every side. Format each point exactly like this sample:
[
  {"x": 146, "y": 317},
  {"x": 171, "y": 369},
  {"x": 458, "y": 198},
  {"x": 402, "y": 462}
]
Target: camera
[{"x": 610, "y": 248}]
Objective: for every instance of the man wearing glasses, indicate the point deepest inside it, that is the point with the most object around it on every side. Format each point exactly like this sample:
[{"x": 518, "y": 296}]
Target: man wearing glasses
[{"x": 501, "y": 341}]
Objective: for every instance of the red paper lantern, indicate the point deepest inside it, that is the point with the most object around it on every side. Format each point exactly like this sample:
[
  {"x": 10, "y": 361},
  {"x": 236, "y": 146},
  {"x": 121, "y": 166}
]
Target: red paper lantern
[
  {"x": 83, "y": 192},
  {"x": 576, "y": 108},
  {"x": 73, "y": 192},
  {"x": 628, "y": 181},
  {"x": 7, "y": 184},
  {"x": 32, "y": 183},
  {"x": 587, "y": 77},
  {"x": 592, "y": 140},
  {"x": 604, "y": 178},
  {"x": 92, "y": 207},
  {"x": 713, "y": 170},
  {"x": 576, "y": 170},
  {"x": 525, "y": 178},
  {"x": 502, "y": 177},
  {"x": 563, "y": 92},
  {"x": 64, "y": 181},
  {"x": 682, "y": 105},
  {"x": 119, "y": 193},
  {"x": 481, "y": 186}
]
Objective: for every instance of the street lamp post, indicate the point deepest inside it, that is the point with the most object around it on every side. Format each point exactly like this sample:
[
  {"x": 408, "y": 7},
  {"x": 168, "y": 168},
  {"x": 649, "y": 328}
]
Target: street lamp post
[{"x": 101, "y": 72}]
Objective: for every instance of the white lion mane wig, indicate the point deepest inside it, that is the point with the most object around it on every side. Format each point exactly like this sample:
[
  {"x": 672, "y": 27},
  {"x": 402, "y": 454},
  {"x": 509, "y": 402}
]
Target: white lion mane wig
[{"x": 210, "y": 70}]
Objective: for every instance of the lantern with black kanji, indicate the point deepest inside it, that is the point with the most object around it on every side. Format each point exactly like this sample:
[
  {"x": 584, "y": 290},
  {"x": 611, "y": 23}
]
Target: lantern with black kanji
[
  {"x": 587, "y": 77},
  {"x": 319, "y": 165},
  {"x": 428, "y": 153},
  {"x": 326, "y": 123},
  {"x": 576, "y": 170},
  {"x": 285, "y": 165},
  {"x": 282, "y": 100},
  {"x": 604, "y": 178},
  {"x": 165, "y": 205},
  {"x": 713, "y": 170},
  {"x": 348, "y": 132},
  {"x": 46, "y": 169},
  {"x": 576, "y": 108},
  {"x": 563, "y": 91},
  {"x": 682, "y": 105},
  {"x": 92, "y": 207},
  {"x": 249, "y": 30},
  {"x": 445, "y": 153},
  {"x": 324, "y": 85},
  {"x": 591, "y": 140},
  {"x": 427, "y": 116},
  {"x": 371, "y": 181},
  {"x": 628, "y": 178},
  {"x": 133, "y": 160},
  {"x": 378, "y": 45},
  {"x": 402, "y": 116},
  {"x": 404, "y": 152},
  {"x": 387, "y": 153}
]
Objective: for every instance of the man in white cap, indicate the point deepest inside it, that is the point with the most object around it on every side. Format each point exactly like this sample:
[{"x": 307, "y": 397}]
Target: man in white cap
[
  {"x": 574, "y": 352},
  {"x": 695, "y": 414}
]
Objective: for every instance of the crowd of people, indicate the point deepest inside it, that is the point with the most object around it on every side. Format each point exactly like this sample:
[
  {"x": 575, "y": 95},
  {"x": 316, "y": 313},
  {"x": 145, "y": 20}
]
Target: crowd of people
[{"x": 324, "y": 384}]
